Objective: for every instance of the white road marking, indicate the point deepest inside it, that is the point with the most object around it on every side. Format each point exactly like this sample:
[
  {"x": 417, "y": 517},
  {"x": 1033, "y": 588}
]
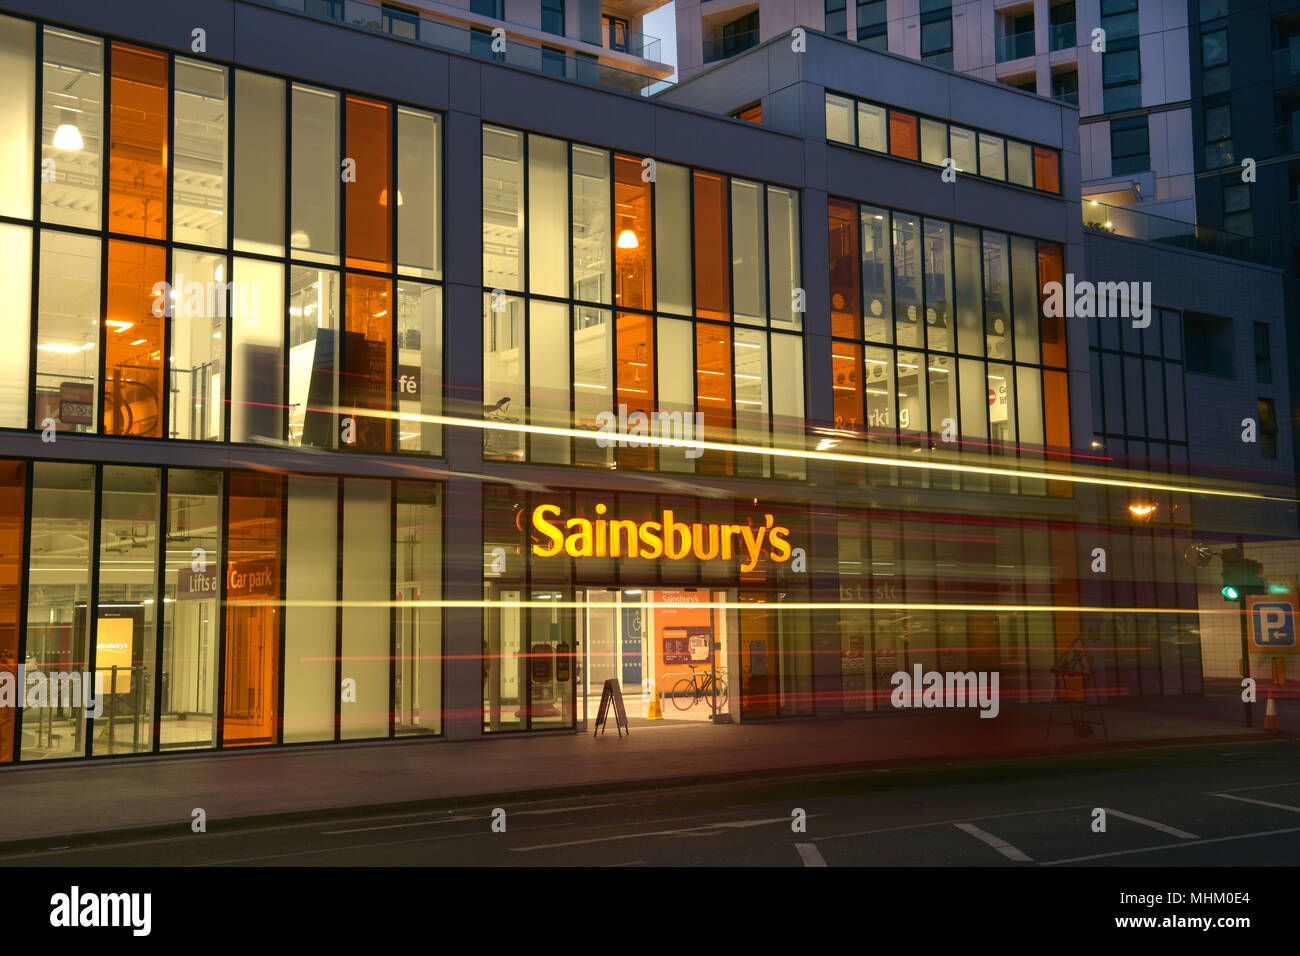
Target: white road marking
[
  {"x": 810, "y": 855},
  {"x": 1168, "y": 846},
  {"x": 399, "y": 826},
  {"x": 944, "y": 823},
  {"x": 1262, "y": 803},
  {"x": 524, "y": 813},
  {"x": 1263, "y": 786},
  {"x": 999, "y": 844},
  {"x": 1172, "y": 831},
  {"x": 730, "y": 824}
]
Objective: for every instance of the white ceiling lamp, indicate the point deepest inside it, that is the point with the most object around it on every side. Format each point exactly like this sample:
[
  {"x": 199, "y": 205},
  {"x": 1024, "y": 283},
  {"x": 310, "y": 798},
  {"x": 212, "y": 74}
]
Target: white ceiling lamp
[
  {"x": 383, "y": 198},
  {"x": 627, "y": 239},
  {"x": 67, "y": 136}
]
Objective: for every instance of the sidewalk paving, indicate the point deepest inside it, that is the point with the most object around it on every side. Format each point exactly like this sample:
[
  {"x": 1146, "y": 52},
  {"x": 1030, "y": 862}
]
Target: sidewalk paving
[{"x": 75, "y": 799}]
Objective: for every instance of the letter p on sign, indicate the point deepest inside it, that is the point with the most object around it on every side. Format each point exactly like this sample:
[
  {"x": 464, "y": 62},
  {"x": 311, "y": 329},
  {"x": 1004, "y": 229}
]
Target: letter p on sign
[{"x": 1273, "y": 625}]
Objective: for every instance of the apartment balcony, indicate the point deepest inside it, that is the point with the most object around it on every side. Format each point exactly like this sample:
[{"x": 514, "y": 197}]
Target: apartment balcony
[
  {"x": 1067, "y": 96},
  {"x": 1134, "y": 224},
  {"x": 1015, "y": 46},
  {"x": 1062, "y": 37},
  {"x": 622, "y": 40},
  {"x": 527, "y": 47},
  {"x": 721, "y": 48}
]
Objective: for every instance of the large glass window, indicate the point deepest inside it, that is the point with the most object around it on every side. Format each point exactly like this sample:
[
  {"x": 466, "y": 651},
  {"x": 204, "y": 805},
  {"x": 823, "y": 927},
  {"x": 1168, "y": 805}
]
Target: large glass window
[
  {"x": 315, "y": 330},
  {"x": 257, "y": 342},
  {"x": 419, "y": 193},
  {"x": 72, "y": 128},
  {"x": 199, "y": 178},
  {"x": 125, "y": 635},
  {"x": 548, "y": 218},
  {"x": 133, "y": 367},
  {"x": 673, "y": 226},
  {"x": 199, "y": 305},
  {"x": 254, "y": 571},
  {"x": 366, "y": 621},
  {"x": 137, "y": 152},
  {"x": 13, "y": 561},
  {"x": 58, "y": 620},
  {"x": 259, "y": 197},
  {"x": 15, "y": 323},
  {"x": 316, "y": 174},
  {"x": 712, "y": 258},
  {"x": 634, "y": 242},
  {"x": 748, "y": 258},
  {"x": 419, "y": 366},
  {"x": 591, "y": 239},
  {"x": 67, "y": 332},
  {"x": 192, "y": 610},
  {"x": 18, "y": 115},
  {"x": 419, "y": 648},
  {"x": 369, "y": 197},
  {"x": 784, "y": 258}
]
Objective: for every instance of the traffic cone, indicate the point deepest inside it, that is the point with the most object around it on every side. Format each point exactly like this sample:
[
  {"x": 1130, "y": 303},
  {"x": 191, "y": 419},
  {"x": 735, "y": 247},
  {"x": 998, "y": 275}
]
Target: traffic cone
[
  {"x": 1270, "y": 715},
  {"x": 654, "y": 712}
]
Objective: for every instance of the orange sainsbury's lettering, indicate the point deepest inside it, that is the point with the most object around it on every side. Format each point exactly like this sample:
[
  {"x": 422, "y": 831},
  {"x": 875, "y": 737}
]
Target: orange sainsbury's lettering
[{"x": 613, "y": 537}]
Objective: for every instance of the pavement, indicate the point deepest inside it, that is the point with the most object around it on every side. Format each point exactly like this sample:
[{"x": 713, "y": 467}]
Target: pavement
[{"x": 159, "y": 794}]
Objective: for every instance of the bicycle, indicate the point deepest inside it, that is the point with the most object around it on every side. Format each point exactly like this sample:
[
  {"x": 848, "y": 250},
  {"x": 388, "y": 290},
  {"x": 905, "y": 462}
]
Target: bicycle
[{"x": 689, "y": 691}]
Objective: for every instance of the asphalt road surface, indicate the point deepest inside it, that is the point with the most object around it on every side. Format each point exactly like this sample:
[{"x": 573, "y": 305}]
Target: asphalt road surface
[{"x": 1223, "y": 805}]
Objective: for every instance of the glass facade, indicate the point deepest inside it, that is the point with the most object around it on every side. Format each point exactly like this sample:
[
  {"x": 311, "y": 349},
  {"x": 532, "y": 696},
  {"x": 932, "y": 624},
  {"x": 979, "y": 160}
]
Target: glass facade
[
  {"x": 230, "y": 609},
  {"x": 855, "y": 122},
  {"x": 621, "y": 293},
  {"x": 940, "y": 343},
  {"x": 227, "y": 256},
  {"x": 205, "y": 289}
]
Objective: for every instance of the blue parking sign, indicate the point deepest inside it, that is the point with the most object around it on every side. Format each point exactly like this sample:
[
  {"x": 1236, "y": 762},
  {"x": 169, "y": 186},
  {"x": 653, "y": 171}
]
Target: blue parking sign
[{"x": 1272, "y": 624}]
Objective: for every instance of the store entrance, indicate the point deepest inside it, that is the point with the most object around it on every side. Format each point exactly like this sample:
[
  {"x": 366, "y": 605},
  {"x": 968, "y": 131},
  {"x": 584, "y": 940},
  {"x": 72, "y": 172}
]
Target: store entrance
[{"x": 659, "y": 644}]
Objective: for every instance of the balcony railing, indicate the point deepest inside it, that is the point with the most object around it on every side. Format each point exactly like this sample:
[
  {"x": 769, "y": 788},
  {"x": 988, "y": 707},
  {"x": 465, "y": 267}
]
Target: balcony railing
[
  {"x": 1121, "y": 221},
  {"x": 364, "y": 15},
  {"x": 1015, "y": 46},
  {"x": 623, "y": 40},
  {"x": 1062, "y": 36},
  {"x": 1067, "y": 96},
  {"x": 723, "y": 47}
]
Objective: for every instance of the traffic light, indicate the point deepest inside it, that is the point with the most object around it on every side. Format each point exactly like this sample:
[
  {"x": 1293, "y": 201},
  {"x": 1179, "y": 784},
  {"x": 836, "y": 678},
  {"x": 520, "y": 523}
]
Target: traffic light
[{"x": 1241, "y": 575}]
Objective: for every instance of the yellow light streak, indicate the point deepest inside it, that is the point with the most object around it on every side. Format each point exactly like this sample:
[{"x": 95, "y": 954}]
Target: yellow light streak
[
  {"x": 748, "y": 606},
  {"x": 806, "y": 455}
]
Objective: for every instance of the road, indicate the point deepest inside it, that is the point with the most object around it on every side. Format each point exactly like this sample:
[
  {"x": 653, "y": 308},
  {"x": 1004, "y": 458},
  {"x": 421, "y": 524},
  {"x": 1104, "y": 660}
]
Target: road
[{"x": 1223, "y": 805}]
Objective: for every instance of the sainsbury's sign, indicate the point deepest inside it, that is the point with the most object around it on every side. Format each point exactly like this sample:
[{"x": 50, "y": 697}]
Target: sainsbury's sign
[{"x": 666, "y": 538}]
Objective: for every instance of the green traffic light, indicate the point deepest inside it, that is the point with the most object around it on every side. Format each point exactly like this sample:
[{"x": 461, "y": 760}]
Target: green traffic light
[{"x": 1230, "y": 592}]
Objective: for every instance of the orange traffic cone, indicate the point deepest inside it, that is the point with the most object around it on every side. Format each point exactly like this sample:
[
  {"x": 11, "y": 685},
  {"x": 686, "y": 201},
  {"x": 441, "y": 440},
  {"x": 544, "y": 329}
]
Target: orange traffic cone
[
  {"x": 1270, "y": 715},
  {"x": 654, "y": 712}
]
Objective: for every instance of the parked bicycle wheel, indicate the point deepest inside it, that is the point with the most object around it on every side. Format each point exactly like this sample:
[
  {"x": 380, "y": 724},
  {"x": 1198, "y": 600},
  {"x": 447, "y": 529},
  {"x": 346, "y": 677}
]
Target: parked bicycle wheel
[
  {"x": 685, "y": 693},
  {"x": 722, "y": 695}
]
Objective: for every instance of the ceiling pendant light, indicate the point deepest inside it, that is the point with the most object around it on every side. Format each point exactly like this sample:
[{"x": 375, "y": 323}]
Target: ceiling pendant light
[
  {"x": 67, "y": 136},
  {"x": 627, "y": 239}
]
